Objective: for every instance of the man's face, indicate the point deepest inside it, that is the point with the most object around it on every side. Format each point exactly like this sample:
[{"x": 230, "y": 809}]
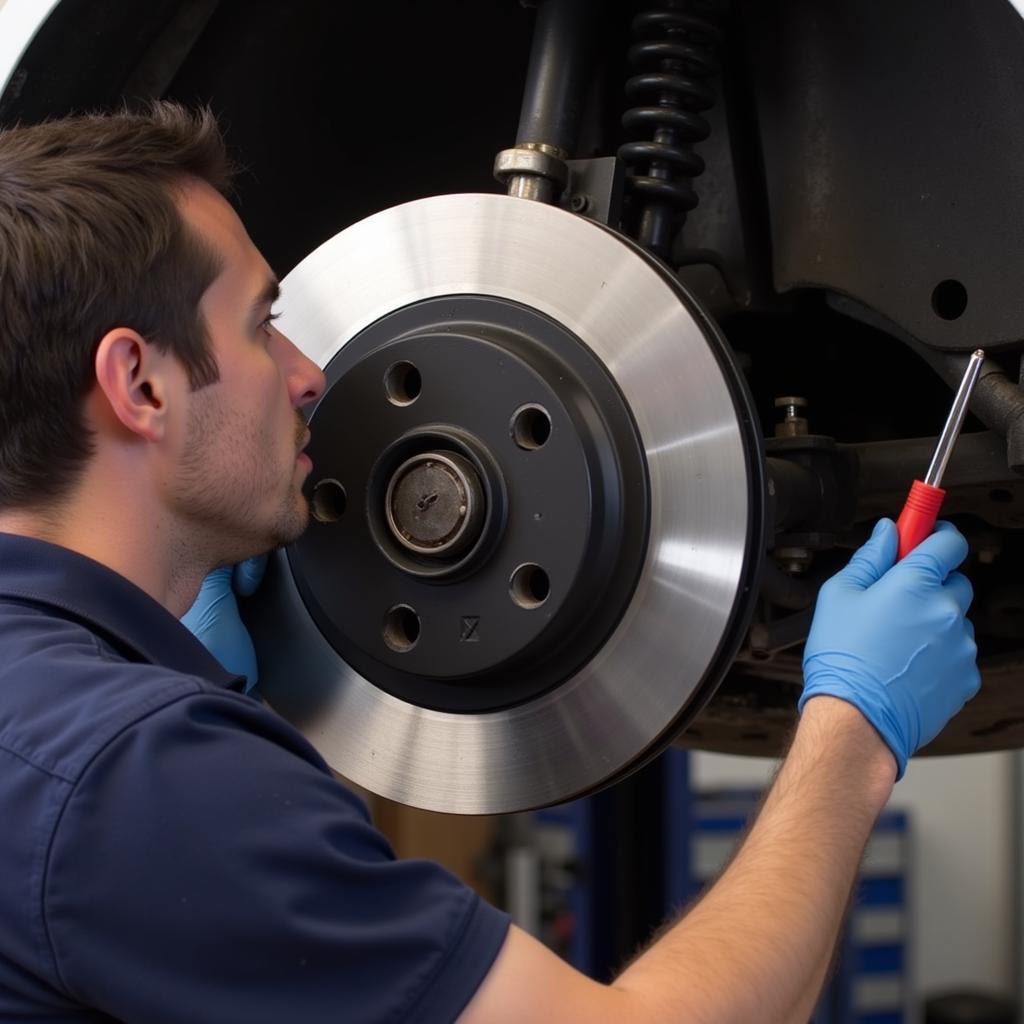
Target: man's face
[{"x": 241, "y": 467}]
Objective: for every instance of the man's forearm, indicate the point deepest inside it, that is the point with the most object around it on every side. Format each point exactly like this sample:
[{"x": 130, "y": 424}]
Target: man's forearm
[{"x": 757, "y": 946}]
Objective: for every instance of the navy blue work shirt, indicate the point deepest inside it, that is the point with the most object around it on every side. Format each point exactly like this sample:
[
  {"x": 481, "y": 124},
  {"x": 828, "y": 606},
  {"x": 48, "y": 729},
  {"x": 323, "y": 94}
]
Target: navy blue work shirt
[{"x": 171, "y": 851}]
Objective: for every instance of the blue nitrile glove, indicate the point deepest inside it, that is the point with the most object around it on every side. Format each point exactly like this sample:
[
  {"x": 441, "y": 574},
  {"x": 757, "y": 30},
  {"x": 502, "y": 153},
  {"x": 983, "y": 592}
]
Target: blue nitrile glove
[
  {"x": 892, "y": 639},
  {"x": 214, "y": 617}
]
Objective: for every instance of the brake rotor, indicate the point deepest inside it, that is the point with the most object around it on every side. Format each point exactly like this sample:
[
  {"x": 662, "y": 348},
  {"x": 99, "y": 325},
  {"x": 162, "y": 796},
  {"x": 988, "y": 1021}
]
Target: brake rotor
[{"x": 537, "y": 508}]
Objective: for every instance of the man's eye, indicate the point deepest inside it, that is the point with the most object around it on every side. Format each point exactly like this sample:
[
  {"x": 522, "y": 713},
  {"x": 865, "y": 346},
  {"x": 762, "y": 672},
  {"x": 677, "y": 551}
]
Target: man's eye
[{"x": 265, "y": 324}]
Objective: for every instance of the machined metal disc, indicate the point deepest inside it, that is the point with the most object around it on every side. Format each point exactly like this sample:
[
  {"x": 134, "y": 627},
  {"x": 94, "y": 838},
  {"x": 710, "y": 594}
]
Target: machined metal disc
[{"x": 667, "y": 650}]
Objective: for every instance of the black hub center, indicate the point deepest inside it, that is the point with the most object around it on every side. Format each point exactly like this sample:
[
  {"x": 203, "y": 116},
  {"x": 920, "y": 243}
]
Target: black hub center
[{"x": 496, "y": 504}]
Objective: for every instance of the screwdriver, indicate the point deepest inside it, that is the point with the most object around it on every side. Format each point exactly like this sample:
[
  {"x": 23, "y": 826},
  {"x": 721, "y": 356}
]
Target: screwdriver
[{"x": 917, "y": 520}]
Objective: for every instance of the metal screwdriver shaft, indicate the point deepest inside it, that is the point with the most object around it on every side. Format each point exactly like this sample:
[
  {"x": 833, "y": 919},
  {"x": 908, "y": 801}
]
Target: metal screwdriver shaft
[
  {"x": 917, "y": 520},
  {"x": 951, "y": 431}
]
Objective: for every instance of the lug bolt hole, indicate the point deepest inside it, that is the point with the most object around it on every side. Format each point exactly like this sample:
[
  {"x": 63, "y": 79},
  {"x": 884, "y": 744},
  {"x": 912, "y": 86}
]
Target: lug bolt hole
[
  {"x": 529, "y": 586},
  {"x": 531, "y": 427},
  {"x": 329, "y": 501},
  {"x": 403, "y": 383},
  {"x": 949, "y": 299},
  {"x": 401, "y": 628}
]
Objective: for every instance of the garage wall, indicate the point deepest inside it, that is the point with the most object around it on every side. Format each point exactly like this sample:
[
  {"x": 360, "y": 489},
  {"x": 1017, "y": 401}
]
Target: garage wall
[{"x": 963, "y": 872}]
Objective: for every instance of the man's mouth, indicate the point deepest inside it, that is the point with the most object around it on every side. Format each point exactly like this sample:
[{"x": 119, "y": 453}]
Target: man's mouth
[{"x": 302, "y": 439}]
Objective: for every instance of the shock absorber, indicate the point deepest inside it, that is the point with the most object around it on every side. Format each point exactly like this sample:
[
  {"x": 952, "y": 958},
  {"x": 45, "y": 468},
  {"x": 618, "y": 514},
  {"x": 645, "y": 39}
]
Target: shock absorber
[
  {"x": 553, "y": 100},
  {"x": 675, "y": 55}
]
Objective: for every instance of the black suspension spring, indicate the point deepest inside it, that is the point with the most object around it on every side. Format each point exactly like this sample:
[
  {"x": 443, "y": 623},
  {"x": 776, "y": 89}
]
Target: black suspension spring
[{"x": 676, "y": 55}]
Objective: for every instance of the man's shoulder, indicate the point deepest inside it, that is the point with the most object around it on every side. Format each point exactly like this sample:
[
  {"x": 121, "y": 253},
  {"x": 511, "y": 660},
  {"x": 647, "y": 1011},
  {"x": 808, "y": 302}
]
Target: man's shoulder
[
  {"x": 179, "y": 808},
  {"x": 213, "y": 819},
  {"x": 66, "y": 691}
]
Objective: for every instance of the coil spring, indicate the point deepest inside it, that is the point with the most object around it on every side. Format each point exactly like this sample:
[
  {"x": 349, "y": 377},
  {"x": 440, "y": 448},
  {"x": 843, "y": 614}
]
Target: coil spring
[{"x": 676, "y": 55}]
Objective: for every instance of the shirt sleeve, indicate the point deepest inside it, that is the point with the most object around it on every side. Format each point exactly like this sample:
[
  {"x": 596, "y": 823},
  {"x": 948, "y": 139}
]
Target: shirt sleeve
[{"x": 207, "y": 867}]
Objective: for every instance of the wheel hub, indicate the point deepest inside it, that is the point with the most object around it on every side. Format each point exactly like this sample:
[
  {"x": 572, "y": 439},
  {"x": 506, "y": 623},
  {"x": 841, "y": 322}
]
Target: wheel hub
[
  {"x": 490, "y": 505},
  {"x": 434, "y": 504}
]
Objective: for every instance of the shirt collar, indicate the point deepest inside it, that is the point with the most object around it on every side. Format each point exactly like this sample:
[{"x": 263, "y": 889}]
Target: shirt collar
[{"x": 107, "y": 603}]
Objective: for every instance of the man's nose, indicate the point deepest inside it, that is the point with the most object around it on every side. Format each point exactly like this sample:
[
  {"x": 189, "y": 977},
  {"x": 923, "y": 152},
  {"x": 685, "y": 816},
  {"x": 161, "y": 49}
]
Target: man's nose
[{"x": 306, "y": 381}]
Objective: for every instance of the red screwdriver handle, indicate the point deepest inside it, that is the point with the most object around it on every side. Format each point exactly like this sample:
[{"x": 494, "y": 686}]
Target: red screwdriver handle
[{"x": 917, "y": 520}]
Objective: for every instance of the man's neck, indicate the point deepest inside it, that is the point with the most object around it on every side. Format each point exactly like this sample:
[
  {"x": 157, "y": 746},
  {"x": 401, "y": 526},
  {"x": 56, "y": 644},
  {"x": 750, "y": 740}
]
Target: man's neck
[{"x": 131, "y": 537}]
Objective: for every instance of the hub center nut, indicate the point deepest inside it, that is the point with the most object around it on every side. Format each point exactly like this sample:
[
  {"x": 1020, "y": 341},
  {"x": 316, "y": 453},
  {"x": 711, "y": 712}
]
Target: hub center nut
[{"x": 434, "y": 504}]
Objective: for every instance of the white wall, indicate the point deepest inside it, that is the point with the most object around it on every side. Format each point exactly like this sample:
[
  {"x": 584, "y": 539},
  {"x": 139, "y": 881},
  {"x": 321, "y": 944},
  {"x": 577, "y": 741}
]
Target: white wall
[{"x": 962, "y": 888}]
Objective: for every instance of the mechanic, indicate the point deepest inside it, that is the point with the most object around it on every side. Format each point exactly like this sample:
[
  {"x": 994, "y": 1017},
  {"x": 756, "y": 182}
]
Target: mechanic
[{"x": 170, "y": 849}]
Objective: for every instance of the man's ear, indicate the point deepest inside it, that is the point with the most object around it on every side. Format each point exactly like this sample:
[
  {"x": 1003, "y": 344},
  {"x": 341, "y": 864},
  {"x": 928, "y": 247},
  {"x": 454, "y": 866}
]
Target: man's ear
[{"x": 137, "y": 381}]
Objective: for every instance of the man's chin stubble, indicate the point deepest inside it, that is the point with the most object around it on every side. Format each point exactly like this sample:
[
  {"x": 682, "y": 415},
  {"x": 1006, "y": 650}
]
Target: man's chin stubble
[{"x": 290, "y": 533}]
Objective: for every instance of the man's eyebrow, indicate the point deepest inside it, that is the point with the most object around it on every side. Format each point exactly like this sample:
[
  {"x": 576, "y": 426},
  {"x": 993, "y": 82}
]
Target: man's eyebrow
[{"x": 270, "y": 294}]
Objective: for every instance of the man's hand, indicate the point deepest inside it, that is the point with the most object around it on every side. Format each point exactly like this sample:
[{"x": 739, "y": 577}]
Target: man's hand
[
  {"x": 891, "y": 638},
  {"x": 215, "y": 621}
]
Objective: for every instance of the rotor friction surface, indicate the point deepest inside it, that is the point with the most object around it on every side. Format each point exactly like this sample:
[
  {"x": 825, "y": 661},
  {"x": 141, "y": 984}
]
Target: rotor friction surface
[{"x": 653, "y": 672}]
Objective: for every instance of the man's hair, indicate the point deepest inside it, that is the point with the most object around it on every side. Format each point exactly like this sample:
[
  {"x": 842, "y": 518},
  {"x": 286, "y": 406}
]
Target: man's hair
[{"x": 91, "y": 239}]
